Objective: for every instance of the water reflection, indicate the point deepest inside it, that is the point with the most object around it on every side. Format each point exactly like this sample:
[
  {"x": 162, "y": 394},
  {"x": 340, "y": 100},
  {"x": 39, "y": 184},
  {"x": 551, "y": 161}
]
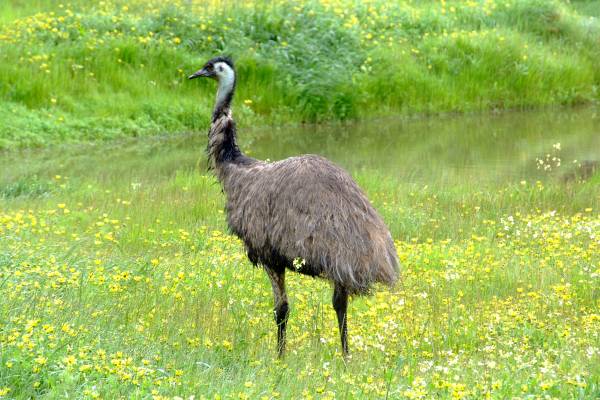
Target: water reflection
[
  {"x": 482, "y": 147},
  {"x": 443, "y": 150}
]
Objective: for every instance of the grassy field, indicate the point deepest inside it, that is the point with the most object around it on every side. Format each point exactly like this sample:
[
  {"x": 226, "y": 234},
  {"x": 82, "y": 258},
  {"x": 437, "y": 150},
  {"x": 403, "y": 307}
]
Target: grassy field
[
  {"x": 118, "y": 278},
  {"x": 98, "y": 70},
  {"x": 120, "y": 281}
]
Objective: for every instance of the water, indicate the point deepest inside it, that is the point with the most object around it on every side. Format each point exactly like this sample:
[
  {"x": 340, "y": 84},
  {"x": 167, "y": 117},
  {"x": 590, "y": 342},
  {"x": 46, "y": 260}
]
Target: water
[{"x": 447, "y": 150}]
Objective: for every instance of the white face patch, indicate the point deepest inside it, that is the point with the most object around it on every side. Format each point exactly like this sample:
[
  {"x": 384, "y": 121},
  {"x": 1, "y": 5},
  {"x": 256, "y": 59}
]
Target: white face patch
[{"x": 226, "y": 78}]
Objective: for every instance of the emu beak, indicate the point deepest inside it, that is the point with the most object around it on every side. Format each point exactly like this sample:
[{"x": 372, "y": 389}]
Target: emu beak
[{"x": 197, "y": 74}]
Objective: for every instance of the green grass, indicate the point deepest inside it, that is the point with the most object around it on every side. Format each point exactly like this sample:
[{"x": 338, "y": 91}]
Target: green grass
[
  {"x": 117, "y": 276},
  {"x": 120, "y": 281},
  {"x": 79, "y": 72},
  {"x": 588, "y": 7}
]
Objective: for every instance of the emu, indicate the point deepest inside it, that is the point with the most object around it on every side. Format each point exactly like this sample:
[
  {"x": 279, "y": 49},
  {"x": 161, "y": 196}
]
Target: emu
[{"x": 301, "y": 208}]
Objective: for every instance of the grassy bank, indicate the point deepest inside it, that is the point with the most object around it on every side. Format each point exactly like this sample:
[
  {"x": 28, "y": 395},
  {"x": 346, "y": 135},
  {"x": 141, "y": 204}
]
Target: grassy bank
[{"x": 73, "y": 72}]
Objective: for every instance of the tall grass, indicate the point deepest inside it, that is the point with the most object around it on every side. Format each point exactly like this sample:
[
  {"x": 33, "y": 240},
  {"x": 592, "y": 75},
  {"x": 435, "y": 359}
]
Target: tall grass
[{"x": 97, "y": 71}]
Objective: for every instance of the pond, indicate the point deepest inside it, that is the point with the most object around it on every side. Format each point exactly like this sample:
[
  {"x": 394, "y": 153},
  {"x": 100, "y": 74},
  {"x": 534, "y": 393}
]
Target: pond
[{"x": 449, "y": 150}]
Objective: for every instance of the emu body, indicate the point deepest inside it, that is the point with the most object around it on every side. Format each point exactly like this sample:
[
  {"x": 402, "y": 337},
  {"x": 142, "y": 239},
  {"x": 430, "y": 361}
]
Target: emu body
[{"x": 299, "y": 208}]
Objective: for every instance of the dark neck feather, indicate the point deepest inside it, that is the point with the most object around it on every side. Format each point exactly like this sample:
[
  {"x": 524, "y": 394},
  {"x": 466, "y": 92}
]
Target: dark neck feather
[
  {"x": 222, "y": 143},
  {"x": 223, "y": 107}
]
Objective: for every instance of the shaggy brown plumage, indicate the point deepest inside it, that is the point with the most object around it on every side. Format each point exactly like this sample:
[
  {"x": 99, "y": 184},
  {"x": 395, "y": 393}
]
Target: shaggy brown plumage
[
  {"x": 302, "y": 208},
  {"x": 308, "y": 208}
]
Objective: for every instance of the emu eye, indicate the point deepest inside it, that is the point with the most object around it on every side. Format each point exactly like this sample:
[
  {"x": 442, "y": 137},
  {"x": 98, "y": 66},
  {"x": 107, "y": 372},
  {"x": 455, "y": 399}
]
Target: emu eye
[{"x": 220, "y": 69}]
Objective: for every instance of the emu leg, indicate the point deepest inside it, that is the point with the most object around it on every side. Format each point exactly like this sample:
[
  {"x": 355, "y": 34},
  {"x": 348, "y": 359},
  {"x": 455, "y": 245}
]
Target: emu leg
[
  {"x": 340, "y": 305},
  {"x": 281, "y": 309}
]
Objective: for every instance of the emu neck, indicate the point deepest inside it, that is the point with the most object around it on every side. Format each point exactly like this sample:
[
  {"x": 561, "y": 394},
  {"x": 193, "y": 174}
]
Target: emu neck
[
  {"x": 224, "y": 96},
  {"x": 222, "y": 142}
]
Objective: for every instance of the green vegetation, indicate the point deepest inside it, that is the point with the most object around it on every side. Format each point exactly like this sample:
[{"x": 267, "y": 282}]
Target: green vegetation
[
  {"x": 117, "y": 276},
  {"x": 588, "y": 7},
  {"x": 119, "y": 280},
  {"x": 88, "y": 71}
]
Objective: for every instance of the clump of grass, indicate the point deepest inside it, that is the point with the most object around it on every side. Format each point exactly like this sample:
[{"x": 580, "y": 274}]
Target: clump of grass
[
  {"x": 84, "y": 71},
  {"x": 28, "y": 186}
]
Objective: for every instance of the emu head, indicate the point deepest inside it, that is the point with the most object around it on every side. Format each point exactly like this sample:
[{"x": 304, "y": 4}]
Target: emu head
[
  {"x": 222, "y": 70},
  {"x": 218, "y": 68}
]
